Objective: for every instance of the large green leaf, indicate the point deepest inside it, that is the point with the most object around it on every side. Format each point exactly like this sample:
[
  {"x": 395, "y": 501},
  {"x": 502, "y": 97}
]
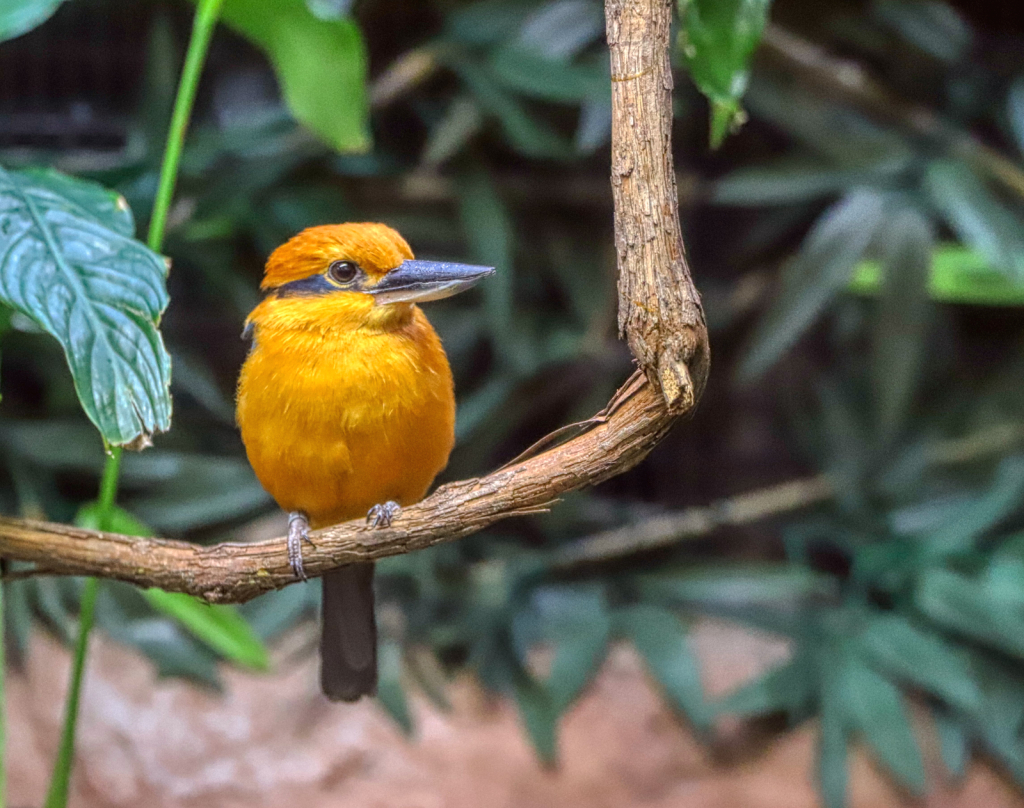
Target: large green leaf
[
  {"x": 717, "y": 39},
  {"x": 320, "y": 62},
  {"x": 18, "y": 17},
  {"x": 816, "y": 275},
  {"x": 68, "y": 261}
]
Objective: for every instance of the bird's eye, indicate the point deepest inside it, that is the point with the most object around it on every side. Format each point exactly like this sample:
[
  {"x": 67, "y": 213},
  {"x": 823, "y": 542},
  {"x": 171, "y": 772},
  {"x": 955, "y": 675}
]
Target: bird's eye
[{"x": 342, "y": 271}]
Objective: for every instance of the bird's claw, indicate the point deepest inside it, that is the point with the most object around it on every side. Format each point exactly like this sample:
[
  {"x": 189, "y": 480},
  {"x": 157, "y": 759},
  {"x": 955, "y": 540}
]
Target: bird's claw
[
  {"x": 382, "y": 515},
  {"x": 298, "y": 532}
]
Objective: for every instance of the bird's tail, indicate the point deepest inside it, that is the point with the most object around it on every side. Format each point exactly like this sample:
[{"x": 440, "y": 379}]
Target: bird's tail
[{"x": 348, "y": 642}]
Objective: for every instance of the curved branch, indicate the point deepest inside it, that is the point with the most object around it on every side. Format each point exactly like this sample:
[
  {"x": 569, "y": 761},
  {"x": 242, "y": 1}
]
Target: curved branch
[{"x": 663, "y": 321}]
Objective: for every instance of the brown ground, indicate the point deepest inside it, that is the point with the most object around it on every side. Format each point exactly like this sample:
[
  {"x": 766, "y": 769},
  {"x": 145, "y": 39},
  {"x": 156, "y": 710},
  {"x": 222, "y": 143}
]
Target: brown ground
[{"x": 273, "y": 741}]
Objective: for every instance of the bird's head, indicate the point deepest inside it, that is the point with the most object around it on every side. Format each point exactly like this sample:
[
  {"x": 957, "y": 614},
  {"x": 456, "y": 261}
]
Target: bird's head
[{"x": 361, "y": 271}]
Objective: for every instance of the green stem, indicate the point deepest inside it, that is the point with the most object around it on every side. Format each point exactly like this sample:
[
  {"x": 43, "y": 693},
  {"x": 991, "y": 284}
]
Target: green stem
[
  {"x": 202, "y": 31},
  {"x": 57, "y": 796}
]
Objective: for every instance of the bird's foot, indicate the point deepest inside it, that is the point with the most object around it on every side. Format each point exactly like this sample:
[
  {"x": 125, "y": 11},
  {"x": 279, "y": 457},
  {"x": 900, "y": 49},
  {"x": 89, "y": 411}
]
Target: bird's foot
[
  {"x": 298, "y": 532},
  {"x": 381, "y": 515}
]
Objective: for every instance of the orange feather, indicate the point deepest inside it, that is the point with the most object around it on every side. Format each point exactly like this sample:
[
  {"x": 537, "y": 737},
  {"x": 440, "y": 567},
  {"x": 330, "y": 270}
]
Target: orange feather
[{"x": 343, "y": 403}]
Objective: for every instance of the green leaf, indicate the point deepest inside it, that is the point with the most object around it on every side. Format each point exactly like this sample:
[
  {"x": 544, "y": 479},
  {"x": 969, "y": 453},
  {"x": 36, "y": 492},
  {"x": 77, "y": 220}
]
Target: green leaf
[
  {"x": 661, "y": 641},
  {"x": 121, "y": 612},
  {"x": 922, "y": 658},
  {"x": 717, "y": 39},
  {"x": 1002, "y": 497},
  {"x": 447, "y": 138},
  {"x": 934, "y": 27},
  {"x": 390, "y": 691},
  {"x": 815, "y": 276},
  {"x": 539, "y": 715},
  {"x": 953, "y": 742},
  {"x": 527, "y": 134},
  {"x": 486, "y": 22},
  {"x": 958, "y": 275},
  {"x": 576, "y": 622},
  {"x": 18, "y": 17},
  {"x": 560, "y": 29},
  {"x": 783, "y": 182},
  {"x": 488, "y": 228},
  {"x": 873, "y": 705},
  {"x": 903, "y": 318},
  {"x": 733, "y": 586},
  {"x": 975, "y": 608},
  {"x": 833, "y": 742},
  {"x": 220, "y": 626},
  {"x": 528, "y": 73},
  {"x": 320, "y": 63},
  {"x": 787, "y": 688},
  {"x": 69, "y": 262},
  {"x": 1015, "y": 110},
  {"x": 978, "y": 217}
]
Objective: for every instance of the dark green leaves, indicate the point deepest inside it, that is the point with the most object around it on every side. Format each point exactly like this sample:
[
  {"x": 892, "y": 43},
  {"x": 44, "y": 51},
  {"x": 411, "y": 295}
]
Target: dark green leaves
[
  {"x": 717, "y": 39},
  {"x": 903, "y": 317},
  {"x": 873, "y": 706},
  {"x": 68, "y": 261},
  {"x": 18, "y": 17},
  {"x": 978, "y": 217},
  {"x": 659, "y": 637},
  {"x": 320, "y": 61},
  {"x": 815, "y": 275}
]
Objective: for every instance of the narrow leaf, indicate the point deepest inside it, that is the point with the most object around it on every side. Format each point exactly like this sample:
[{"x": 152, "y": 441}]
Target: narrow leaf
[
  {"x": 873, "y": 705},
  {"x": 953, "y": 742},
  {"x": 539, "y": 716},
  {"x": 390, "y": 689},
  {"x": 903, "y": 318},
  {"x": 661, "y": 641},
  {"x": 815, "y": 276},
  {"x": 922, "y": 658},
  {"x": 219, "y": 626},
  {"x": 978, "y": 217},
  {"x": 69, "y": 262}
]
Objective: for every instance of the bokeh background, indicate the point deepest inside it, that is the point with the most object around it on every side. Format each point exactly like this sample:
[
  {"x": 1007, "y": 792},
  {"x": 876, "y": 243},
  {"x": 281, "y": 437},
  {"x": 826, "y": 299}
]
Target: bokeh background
[{"x": 830, "y": 549}]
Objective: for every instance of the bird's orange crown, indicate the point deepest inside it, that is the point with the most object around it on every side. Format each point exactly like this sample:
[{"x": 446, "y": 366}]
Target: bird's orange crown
[{"x": 376, "y": 248}]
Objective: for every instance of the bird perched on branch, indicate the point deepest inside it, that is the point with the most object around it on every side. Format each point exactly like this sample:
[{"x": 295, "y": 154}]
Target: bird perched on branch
[{"x": 346, "y": 406}]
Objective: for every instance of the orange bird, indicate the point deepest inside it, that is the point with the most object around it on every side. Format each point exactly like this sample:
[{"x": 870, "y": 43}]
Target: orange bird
[{"x": 347, "y": 407}]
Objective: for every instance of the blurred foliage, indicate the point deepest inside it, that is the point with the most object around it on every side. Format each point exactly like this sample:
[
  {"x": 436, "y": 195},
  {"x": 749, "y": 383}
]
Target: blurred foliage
[{"x": 490, "y": 121}]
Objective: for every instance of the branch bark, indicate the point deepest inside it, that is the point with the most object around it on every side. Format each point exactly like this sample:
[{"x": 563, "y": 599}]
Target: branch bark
[
  {"x": 659, "y": 309},
  {"x": 660, "y": 314}
]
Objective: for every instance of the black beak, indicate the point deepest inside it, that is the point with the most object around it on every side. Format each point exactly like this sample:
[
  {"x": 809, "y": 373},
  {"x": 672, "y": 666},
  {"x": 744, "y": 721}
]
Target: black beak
[{"x": 420, "y": 281}]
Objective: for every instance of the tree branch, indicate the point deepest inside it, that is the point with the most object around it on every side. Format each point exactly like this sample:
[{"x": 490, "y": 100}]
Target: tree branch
[{"x": 660, "y": 314}]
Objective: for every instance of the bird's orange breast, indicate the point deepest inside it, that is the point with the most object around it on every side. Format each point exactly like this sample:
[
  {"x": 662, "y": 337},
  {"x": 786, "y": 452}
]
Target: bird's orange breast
[{"x": 338, "y": 417}]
